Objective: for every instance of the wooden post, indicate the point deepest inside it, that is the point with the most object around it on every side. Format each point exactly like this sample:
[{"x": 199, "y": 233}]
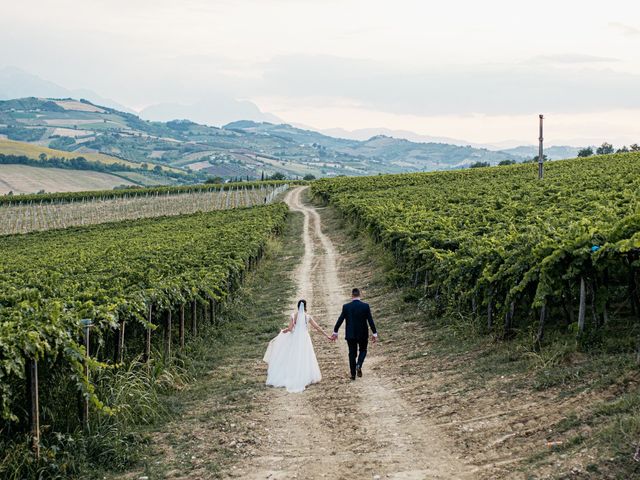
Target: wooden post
[
  {"x": 583, "y": 304},
  {"x": 84, "y": 414},
  {"x": 31, "y": 367},
  {"x": 194, "y": 318},
  {"x": 541, "y": 152},
  {"x": 212, "y": 307},
  {"x": 167, "y": 336},
  {"x": 147, "y": 343},
  {"x": 508, "y": 319},
  {"x": 181, "y": 329},
  {"x": 119, "y": 344},
  {"x": 543, "y": 315}
]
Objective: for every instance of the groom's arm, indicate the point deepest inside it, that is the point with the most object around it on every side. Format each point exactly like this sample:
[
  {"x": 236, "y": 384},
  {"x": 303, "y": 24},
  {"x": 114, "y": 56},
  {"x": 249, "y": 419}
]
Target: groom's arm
[
  {"x": 341, "y": 319},
  {"x": 372, "y": 325}
]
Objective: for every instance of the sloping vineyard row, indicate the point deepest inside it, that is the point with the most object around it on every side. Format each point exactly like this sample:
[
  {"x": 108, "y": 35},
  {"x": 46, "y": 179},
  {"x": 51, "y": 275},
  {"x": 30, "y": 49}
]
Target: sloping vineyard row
[
  {"x": 132, "y": 273},
  {"x": 499, "y": 243},
  {"x": 64, "y": 197},
  {"x": 34, "y": 216}
]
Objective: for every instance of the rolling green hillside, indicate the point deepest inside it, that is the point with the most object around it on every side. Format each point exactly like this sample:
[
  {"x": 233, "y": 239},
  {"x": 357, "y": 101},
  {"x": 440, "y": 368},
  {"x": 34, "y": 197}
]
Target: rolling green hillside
[{"x": 239, "y": 149}]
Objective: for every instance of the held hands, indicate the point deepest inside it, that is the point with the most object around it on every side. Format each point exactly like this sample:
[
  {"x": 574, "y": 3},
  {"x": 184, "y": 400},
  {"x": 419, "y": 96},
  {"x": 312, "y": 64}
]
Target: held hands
[{"x": 333, "y": 337}]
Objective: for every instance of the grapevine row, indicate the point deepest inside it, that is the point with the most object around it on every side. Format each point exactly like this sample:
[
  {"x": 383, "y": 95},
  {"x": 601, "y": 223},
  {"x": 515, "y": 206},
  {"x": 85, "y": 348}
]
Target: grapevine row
[
  {"x": 133, "y": 273},
  {"x": 65, "y": 197},
  {"x": 27, "y": 217},
  {"x": 499, "y": 244}
]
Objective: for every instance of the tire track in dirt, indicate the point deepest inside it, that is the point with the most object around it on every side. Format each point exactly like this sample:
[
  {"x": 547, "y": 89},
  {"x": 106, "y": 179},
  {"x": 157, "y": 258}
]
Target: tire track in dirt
[{"x": 340, "y": 429}]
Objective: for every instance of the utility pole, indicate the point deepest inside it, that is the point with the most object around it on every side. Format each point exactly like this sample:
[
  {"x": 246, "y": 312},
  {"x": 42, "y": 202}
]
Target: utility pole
[{"x": 540, "y": 152}]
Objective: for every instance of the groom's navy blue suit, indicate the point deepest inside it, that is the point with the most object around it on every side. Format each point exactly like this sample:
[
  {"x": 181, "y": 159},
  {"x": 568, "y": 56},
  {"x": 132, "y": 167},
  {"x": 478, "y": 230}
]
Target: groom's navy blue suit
[{"x": 357, "y": 314}]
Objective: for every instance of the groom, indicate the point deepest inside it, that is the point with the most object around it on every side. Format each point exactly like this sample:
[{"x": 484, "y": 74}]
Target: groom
[{"x": 358, "y": 315}]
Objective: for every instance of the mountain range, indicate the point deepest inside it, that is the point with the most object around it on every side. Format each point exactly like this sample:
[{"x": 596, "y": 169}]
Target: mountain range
[
  {"x": 243, "y": 148},
  {"x": 219, "y": 109}
]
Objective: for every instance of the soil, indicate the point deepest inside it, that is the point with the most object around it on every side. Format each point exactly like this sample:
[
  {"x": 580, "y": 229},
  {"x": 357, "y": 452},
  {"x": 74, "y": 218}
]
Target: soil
[{"x": 339, "y": 428}]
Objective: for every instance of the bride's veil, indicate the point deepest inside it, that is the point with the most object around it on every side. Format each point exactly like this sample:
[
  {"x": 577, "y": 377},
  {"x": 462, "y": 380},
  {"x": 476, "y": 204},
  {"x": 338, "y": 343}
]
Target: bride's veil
[{"x": 301, "y": 322}]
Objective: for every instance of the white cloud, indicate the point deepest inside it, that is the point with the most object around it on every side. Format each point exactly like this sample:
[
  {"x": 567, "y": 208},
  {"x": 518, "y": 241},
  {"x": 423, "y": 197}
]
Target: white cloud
[
  {"x": 441, "y": 90},
  {"x": 625, "y": 29},
  {"x": 399, "y": 61}
]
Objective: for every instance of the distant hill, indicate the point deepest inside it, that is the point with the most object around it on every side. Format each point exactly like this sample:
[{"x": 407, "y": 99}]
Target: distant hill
[
  {"x": 245, "y": 148},
  {"x": 16, "y": 83},
  {"x": 366, "y": 133},
  {"x": 527, "y": 152},
  {"x": 213, "y": 111}
]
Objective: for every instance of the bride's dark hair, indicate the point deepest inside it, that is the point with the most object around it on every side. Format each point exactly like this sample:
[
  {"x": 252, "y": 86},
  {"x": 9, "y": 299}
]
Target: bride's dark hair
[{"x": 304, "y": 302}]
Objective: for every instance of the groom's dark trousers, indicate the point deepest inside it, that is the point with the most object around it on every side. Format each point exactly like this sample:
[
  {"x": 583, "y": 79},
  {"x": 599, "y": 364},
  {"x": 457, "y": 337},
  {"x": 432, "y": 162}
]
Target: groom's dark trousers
[
  {"x": 357, "y": 349},
  {"x": 357, "y": 315}
]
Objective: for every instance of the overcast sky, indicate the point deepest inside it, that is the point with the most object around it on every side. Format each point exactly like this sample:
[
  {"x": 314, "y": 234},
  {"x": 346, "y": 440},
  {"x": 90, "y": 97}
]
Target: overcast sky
[{"x": 474, "y": 70}]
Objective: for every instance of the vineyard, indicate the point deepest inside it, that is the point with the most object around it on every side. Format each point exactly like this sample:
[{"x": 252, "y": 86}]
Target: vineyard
[
  {"x": 509, "y": 251},
  {"x": 89, "y": 208},
  {"x": 77, "y": 302}
]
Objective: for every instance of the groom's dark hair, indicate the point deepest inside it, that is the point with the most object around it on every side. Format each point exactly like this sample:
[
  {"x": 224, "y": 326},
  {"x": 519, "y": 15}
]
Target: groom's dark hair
[{"x": 355, "y": 292}]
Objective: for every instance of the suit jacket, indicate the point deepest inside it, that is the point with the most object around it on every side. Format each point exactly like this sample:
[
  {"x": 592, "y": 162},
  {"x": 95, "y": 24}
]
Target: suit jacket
[{"x": 358, "y": 317}]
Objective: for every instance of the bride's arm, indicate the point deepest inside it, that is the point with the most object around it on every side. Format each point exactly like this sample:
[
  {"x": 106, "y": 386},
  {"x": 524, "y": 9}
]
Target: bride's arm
[
  {"x": 290, "y": 327},
  {"x": 317, "y": 327}
]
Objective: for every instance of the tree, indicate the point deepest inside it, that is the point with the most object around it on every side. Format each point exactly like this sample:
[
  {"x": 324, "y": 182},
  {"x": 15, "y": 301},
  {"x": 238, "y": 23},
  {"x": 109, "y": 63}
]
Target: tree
[
  {"x": 605, "y": 149},
  {"x": 479, "y": 165},
  {"x": 537, "y": 157},
  {"x": 278, "y": 176},
  {"x": 585, "y": 152},
  {"x": 262, "y": 176},
  {"x": 43, "y": 157},
  {"x": 157, "y": 169},
  {"x": 214, "y": 180},
  {"x": 308, "y": 177},
  {"x": 624, "y": 149},
  {"x": 506, "y": 162},
  {"x": 634, "y": 147}
]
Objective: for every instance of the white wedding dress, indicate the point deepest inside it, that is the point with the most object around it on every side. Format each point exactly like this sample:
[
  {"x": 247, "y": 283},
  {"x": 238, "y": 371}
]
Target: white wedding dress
[{"x": 291, "y": 358}]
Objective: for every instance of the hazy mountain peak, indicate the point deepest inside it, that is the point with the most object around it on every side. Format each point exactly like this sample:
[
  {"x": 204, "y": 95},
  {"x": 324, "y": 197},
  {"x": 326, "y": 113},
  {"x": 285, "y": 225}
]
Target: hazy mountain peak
[{"x": 17, "y": 83}]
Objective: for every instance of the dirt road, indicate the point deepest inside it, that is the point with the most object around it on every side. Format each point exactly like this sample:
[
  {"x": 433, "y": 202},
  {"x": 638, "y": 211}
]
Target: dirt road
[{"x": 339, "y": 429}]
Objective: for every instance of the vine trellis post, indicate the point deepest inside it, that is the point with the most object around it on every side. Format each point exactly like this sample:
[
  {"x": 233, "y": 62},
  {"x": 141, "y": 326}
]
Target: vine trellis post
[
  {"x": 84, "y": 413},
  {"x": 31, "y": 367},
  {"x": 194, "y": 318},
  {"x": 181, "y": 327},
  {"x": 541, "y": 151},
  {"x": 167, "y": 336},
  {"x": 147, "y": 343},
  {"x": 583, "y": 306}
]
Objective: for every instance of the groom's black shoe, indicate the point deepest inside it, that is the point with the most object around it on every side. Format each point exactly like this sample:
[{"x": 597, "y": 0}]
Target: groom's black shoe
[
  {"x": 359, "y": 371},
  {"x": 353, "y": 377}
]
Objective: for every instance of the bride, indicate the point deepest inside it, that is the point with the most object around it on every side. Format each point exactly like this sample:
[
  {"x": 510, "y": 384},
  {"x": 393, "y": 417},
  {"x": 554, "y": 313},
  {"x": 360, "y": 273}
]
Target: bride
[{"x": 291, "y": 358}]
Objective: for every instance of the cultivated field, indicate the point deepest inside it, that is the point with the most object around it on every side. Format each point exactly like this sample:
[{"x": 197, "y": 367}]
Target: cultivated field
[
  {"x": 11, "y": 147},
  {"x": 27, "y": 179},
  {"x": 35, "y": 215}
]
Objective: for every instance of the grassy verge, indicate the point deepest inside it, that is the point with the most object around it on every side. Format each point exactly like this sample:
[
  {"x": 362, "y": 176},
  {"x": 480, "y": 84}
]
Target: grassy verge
[
  {"x": 582, "y": 402},
  {"x": 208, "y": 425}
]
